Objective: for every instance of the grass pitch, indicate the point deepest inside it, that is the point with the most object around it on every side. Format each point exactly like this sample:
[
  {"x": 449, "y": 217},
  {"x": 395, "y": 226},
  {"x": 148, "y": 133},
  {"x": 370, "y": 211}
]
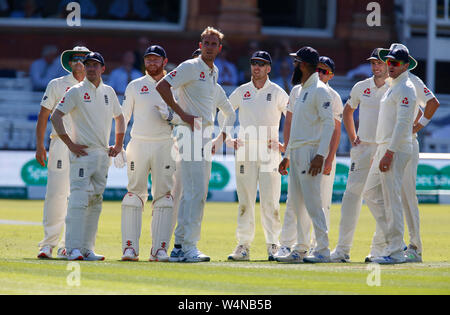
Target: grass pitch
[{"x": 22, "y": 273}]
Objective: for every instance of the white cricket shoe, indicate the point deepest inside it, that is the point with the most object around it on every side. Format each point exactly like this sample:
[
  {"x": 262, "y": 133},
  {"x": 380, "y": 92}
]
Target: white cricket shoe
[
  {"x": 45, "y": 252},
  {"x": 282, "y": 252},
  {"x": 338, "y": 257},
  {"x": 89, "y": 255},
  {"x": 294, "y": 257},
  {"x": 241, "y": 253},
  {"x": 317, "y": 258},
  {"x": 412, "y": 256},
  {"x": 177, "y": 255},
  {"x": 62, "y": 253},
  {"x": 160, "y": 255},
  {"x": 75, "y": 254},
  {"x": 129, "y": 254},
  {"x": 388, "y": 260},
  {"x": 194, "y": 255},
  {"x": 272, "y": 250}
]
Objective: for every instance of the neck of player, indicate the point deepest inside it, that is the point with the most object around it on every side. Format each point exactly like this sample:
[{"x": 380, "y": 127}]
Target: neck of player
[
  {"x": 380, "y": 80},
  {"x": 79, "y": 76},
  {"x": 306, "y": 76},
  {"x": 259, "y": 82}
]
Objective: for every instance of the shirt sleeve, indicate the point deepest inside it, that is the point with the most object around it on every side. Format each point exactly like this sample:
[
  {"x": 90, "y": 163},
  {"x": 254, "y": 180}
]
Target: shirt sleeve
[
  {"x": 128, "y": 103},
  {"x": 49, "y": 100},
  {"x": 337, "y": 107},
  {"x": 283, "y": 100},
  {"x": 424, "y": 94},
  {"x": 226, "y": 109},
  {"x": 235, "y": 99},
  {"x": 117, "y": 109},
  {"x": 68, "y": 102},
  {"x": 181, "y": 75},
  {"x": 324, "y": 109},
  {"x": 354, "y": 98},
  {"x": 291, "y": 100}
]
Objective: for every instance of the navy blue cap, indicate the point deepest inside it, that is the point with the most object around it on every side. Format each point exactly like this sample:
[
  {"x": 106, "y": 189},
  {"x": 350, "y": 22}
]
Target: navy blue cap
[
  {"x": 156, "y": 50},
  {"x": 94, "y": 56},
  {"x": 375, "y": 55},
  {"x": 262, "y": 55},
  {"x": 308, "y": 55},
  {"x": 398, "y": 54},
  {"x": 328, "y": 61}
]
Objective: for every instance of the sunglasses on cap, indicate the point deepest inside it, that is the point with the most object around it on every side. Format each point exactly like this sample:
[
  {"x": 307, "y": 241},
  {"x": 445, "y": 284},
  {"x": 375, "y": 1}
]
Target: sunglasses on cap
[
  {"x": 324, "y": 71},
  {"x": 259, "y": 63},
  {"x": 394, "y": 63},
  {"x": 77, "y": 59}
]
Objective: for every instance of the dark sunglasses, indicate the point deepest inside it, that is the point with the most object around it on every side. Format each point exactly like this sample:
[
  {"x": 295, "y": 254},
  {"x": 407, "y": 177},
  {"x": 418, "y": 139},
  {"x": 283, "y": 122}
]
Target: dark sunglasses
[
  {"x": 77, "y": 58},
  {"x": 258, "y": 63},
  {"x": 324, "y": 71},
  {"x": 394, "y": 63}
]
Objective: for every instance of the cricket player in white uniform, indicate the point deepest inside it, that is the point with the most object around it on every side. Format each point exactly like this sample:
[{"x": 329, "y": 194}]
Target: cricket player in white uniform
[
  {"x": 311, "y": 131},
  {"x": 196, "y": 81},
  {"x": 325, "y": 68},
  {"x": 426, "y": 100},
  {"x": 394, "y": 151},
  {"x": 149, "y": 151},
  {"x": 261, "y": 104},
  {"x": 57, "y": 192},
  {"x": 91, "y": 105},
  {"x": 367, "y": 95}
]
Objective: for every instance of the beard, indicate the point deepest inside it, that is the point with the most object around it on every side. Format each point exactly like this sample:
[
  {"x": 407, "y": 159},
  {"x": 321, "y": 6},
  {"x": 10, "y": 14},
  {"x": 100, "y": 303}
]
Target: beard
[
  {"x": 297, "y": 76},
  {"x": 152, "y": 71}
]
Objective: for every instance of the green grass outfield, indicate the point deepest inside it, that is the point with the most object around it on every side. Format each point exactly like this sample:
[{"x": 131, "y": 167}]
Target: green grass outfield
[{"x": 22, "y": 273}]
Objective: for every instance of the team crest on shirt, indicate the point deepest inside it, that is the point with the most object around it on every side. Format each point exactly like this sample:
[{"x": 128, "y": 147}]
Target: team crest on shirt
[
  {"x": 144, "y": 90},
  {"x": 106, "y": 100},
  {"x": 304, "y": 97},
  {"x": 326, "y": 105},
  {"x": 87, "y": 98},
  {"x": 269, "y": 97},
  {"x": 202, "y": 76},
  {"x": 45, "y": 98},
  {"x": 247, "y": 95},
  {"x": 367, "y": 92}
]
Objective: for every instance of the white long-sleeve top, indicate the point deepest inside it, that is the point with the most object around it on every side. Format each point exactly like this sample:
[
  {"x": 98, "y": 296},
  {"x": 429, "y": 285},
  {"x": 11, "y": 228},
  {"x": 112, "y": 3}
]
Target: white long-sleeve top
[
  {"x": 312, "y": 118},
  {"x": 396, "y": 116}
]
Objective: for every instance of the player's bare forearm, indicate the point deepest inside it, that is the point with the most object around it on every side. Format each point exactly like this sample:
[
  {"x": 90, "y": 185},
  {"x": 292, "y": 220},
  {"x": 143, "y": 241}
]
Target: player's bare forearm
[
  {"x": 287, "y": 128},
  {"x": 41, "y": 126},
  {"x": 334, "y": 144},
  {"x": 163, "y": 88},
  {"x": 430, "y": 109},
  {"x": 58, "y": 124},
  {"x": 349, "y": 123}
]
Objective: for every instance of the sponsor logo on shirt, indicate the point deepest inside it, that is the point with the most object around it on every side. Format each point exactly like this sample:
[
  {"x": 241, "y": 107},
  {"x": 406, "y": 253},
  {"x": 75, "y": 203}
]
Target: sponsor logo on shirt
[
  {"x": 173, "y": 74},
  {"x": 405, "y": 102},
  {"x": 144, "y": 90},
  {"x": 367, "y": 92},
  {"x": 87, "y": 98},
  {"x": 202, "y": 76},
  {"x": 68, "y": 88},
  {"x": 426, "y": 91},
  {"x": 62, "y": 101},
  {"x": 247, "y": 95}
]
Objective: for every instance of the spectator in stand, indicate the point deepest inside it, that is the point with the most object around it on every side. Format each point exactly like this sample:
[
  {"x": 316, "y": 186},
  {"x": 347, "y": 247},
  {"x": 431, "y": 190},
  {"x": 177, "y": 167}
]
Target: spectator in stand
[
  {"x": 228, "y": 74},
  {"x": 88, "y": 8},
  {"x": 120, "y": 77},
  {"x": 284, "y": 80},
  {"x": 129, "y": 10},
  {"x": 142, "y": 45},
  {"x": 26, "y": 9},
  {"x": 281, "y": 55},
  {"x": 4, "y": 8},
  {"x": 45, "y": 69},
  {"x": 360, "y": 73},
  {"x": 243, "y": 65}
]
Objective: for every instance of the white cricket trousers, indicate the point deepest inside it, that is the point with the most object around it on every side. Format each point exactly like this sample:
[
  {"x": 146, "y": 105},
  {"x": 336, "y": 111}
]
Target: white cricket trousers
[
  {"x": 383, "y": 196},
  {"x": 88, "y": 176},
  {"x": 288, "y": 235},
  {"x": 304, "y": 191},
  {"x": 361, "y": 160},
  {"x": 263, "y": 171},
  {"x": 58, "y": 188},
  {"x": 409, "y": 198}
]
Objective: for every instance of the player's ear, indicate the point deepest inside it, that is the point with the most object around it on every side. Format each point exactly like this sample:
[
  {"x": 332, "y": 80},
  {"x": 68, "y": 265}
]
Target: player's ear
[
  {"x": 269, "y": 68},
  {"x": 200, "y": 45},
  {"x": 103, "y": 69}
]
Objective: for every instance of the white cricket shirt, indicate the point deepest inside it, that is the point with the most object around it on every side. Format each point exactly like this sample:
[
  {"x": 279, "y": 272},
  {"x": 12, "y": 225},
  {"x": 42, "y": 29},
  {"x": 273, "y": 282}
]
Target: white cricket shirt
[
  {"x": 312, "y": 116},
  {"x": 367, "y": 96},
  {"x": 396, "y": 115},
  {"x": 141, "y": 100},
  {"x": 260, "y": 108},
  {"x": 53, "y": 94},
  {"x": 92, "y": 110}
]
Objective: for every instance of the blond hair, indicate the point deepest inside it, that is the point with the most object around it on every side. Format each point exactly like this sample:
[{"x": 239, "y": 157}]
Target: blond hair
[{"x": 212, "y": 31}]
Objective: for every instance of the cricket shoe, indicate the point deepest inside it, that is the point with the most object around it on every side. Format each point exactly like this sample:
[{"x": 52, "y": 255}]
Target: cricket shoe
[
  {"x": 160, "y": 255},
  {"x": 129, "y": 254},
  {"x": 272, "y": 250},
  {"x": 338, "y": 257},
  {"x": 177, "y": 255},
  {"x": 89, "y": 255},
  {"x": 75, "y": 254},
  {"x": 62, "y": 253},
  {"x": 45, "y": 252},
  {"x": 241, "y": 253},
  {"x": 369, "y": 259},
  {"x": 388, "y": 260},
  {"x": 282, "y": 252},
  {"x": 294, "y": 257},
  {"x": 316, "y": 258},
  {"x": 412, "y": 256},
  {"x": 194, "y": 255}
]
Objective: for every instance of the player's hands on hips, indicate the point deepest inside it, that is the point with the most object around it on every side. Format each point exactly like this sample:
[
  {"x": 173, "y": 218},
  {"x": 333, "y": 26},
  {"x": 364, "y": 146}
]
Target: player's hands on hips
[
  {"x": 191, "y": 120},
  {"x": 41, "y": 155},
  {"x": 276, "y": 146},
  {"x": 113, "y": 151},
  {"x": 78, "y": 149},
  {"x": 328, "y": 166},
  {"x": 386, "y": 161},
  {"x": 284, "y": 165},
  {"x": 316, "y": 165},
  {"x": 356, "y": 142},
  {"x": 417, "y": 127}
]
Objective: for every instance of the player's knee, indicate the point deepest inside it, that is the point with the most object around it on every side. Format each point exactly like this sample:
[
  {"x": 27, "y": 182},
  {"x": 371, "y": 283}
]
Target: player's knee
[
  {"x": 164, "y": 202},
  {"x": 78, "y": 199},
  {"x": 131, "y": 200}
]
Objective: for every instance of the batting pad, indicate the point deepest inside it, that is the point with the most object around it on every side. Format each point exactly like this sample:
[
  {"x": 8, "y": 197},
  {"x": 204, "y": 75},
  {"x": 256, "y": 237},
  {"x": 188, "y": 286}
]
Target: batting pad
[
  {"x": 132, "y": 208},
  {"x": 162, "y": 223}
]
